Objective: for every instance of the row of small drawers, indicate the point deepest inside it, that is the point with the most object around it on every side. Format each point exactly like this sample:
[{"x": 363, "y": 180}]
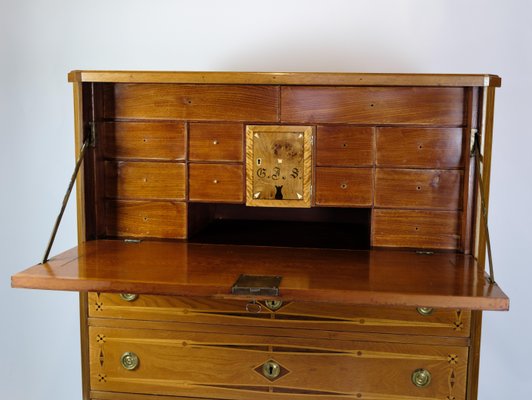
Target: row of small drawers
[
  {"x": 394, "y": 188},
  {"x": 340, "y": 146}
]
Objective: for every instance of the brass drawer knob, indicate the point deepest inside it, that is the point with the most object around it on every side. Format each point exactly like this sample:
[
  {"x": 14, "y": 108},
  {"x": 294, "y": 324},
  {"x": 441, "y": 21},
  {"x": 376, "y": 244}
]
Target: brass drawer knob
[
  {"x": 129, "y": 361},
  {"x": 273, "y": 304},
  {"x": 129, "y": 296},
  {"x": 421, "y": 377},
  {"x": 425, "y": 310},
  {"x": 271, "y": 370},
  {"x": 215, "y": 142}
]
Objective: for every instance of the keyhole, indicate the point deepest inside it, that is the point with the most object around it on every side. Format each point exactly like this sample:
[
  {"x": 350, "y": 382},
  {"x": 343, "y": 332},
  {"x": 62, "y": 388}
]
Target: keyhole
[{"x": 270, "y": 370}]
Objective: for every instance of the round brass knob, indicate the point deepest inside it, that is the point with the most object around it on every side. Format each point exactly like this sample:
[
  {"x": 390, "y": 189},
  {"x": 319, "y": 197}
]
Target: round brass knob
[
  {"x": 215, "y": 181},
  {"x": 425, "y": 310},
  {"x": 421, "y": 377},
  {"x": 215, "y": 142},
  {"x": 273, "y": 304},
  {"x": 129, "y": 361},
  {"x": 129, "y": 296},
  {"x": 271, "y": 370}
]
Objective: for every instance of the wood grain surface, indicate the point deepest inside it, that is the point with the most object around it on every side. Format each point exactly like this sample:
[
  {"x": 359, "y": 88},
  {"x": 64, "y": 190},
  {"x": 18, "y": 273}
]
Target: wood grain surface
[
  {"x": 197, "y": 364},
  {"x": 144, "y": 140},
  {"x": 344, "y": 146},
  {"x": 373, "y": 105},
  {"x": 216, "y": 183},
  {"x": 418, "y": 189},
  {"x": 442, "y": 280},
  {"x": 191, "y": 102},
  {"x": 344, "y": 187},
  {"x": 416, "y": 229},
  {"x": 216, "y": 142},
  {"x": 420, "y": 147},
  {"x": 145, "y": 180}
]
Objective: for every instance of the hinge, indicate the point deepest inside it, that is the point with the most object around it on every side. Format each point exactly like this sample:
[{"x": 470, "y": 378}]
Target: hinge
[{"x": 92, "y": 135}]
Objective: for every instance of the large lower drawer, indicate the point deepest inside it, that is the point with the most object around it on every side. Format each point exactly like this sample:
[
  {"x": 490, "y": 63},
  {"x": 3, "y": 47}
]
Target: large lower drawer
[
  {"x": 297, "y": 315},
  {"x": 228, "y": 366}
]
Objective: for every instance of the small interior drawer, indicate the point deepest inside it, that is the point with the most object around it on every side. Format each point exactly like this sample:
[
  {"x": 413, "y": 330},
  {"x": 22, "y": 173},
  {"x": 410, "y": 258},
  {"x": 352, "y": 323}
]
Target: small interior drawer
[
  {"x": 296, "y": 315},
  {"x": 216, "y": 183},
  {"x": 416, "y": 229},
  {"x": 344, "y": 145},
  {"x": 267, "y": 367},
  {"x": 144, "y": 140},
  {"x": 420, "y": 147},
  {"x": 344, "y": 187},
  {"x": 418, "y": 189},
  {"x": 215, "y": 142},
  {"x": 145, "y": 180}
]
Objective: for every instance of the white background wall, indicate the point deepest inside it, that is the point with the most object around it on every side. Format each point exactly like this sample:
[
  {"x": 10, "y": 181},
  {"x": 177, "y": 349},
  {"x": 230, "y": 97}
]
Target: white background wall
[{"x": 40, "y": 41}]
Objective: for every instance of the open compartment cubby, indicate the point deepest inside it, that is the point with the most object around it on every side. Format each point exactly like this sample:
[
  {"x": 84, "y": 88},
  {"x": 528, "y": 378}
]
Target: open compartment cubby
[{"x": 325, "y": 228}]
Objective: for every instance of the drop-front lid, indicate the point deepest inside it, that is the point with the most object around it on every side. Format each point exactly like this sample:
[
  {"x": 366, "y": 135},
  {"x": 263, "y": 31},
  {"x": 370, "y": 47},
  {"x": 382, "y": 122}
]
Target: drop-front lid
[{"x": 377, "y": 277}]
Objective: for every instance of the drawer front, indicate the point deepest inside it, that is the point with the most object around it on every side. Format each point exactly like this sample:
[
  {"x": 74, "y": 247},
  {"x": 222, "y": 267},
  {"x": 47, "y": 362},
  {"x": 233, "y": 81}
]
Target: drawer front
[
  {"x": 215, "y": 142},
  {"x": 191, "y": 102},
  {"x": 144, "y": 140},
  {"x": 344, "y": 146},
  {"x": 294, "y": 315},
  {"x": 416, "y": 229},
  {"x": 418, "y": 189},
  {"x": 216, "y": 183},
  {"x": 420, "y": 147},
  {"x": 145, "y": 180},
  {"x": 373, "y": 105},
  {"x": 157, "y": 219},
  {"x": 268, "y": 367},
  {"x": 344, "y": 186}
]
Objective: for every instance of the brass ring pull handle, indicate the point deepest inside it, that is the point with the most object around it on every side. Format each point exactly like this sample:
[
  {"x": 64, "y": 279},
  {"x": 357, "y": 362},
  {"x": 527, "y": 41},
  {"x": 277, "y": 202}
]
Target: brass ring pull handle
[
  {"x": 421, "y": 377},
  {"x": 129, "y": 361},
  {"x": 271, "y": 370},
  {"x": 273, "y": 305},
  {"x": 425, "y": 310},
  {"x": 129, "y": 296},
  {"x": 253, "y": 307}
]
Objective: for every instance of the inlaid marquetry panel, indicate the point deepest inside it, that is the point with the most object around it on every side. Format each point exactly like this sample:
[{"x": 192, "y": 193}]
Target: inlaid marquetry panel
[
  {"x": 296, "y": 315},
  {"x": 231, "y": 366}
]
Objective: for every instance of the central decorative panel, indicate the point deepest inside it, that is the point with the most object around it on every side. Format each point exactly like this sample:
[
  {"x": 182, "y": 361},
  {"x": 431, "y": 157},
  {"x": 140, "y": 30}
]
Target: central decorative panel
[{"x": 278, "y": 165}]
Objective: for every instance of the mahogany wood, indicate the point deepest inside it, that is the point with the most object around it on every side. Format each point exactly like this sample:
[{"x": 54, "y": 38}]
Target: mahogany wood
[
  {"x": 192, "y": 102},
  {"x": 216, "y": 183},
  {"x": 418, "y": 189},
  {"x": 336, "y": 276},
  {"x": 376, "y": 105},
  {"x": 296, "y": 315},
  {"x": 416, "y": 229},
  {"x": 216, "y": 142},
  {"x": 344, "y": 186},
  {"x": 145, "y": 180},
  {"x": 155, "y": 219},
  {"x": 420, "y": 147},
  {"x": 144, "y": 140},
  {"x": 344, "y": 146},
  {"x": 196, "y": 364}
]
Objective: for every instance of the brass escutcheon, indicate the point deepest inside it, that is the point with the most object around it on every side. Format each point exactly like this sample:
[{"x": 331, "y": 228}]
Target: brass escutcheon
[
  {"x": 271, "y": 370},
  {"x": 129, "y": 296},
  {"x": 273, "y": 304},
  {"x": 129, "y": 361},
  {"x": 421, "y": 377},
  {"x": 425, "y": 310}
]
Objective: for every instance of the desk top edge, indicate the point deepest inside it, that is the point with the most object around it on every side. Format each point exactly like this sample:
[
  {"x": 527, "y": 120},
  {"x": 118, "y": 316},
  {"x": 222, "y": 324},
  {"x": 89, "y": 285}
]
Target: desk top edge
[{"x": 287, "y": 78}]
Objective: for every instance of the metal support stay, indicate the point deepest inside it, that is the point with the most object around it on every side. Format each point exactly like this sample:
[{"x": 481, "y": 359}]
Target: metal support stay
[
  {"x": 81, "y": 155},
  {"x": 477, "y": 154}
]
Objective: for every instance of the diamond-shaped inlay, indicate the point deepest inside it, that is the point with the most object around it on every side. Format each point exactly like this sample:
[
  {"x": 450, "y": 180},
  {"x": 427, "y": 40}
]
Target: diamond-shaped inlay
[{"x": 271, "y": 370}]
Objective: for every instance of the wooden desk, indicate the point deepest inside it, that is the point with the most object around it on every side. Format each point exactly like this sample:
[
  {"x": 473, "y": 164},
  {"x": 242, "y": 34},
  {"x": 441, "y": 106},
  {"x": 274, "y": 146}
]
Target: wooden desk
[{"x": 359, "y": 190}]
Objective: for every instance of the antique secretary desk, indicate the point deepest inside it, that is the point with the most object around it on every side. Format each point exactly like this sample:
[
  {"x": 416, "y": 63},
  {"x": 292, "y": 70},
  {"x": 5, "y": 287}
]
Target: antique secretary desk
[{"x": 291, "y": 236}]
